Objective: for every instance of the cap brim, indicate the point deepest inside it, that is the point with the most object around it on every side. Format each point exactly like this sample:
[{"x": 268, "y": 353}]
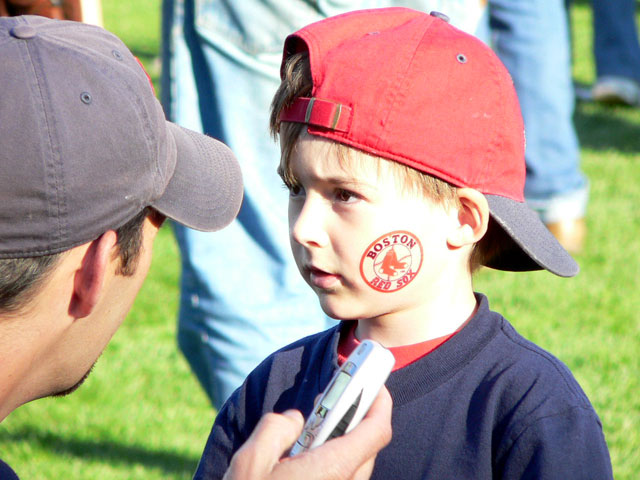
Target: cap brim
[
  {"x": 534, "y": 248},
  {"x": 205, "y": 191}
]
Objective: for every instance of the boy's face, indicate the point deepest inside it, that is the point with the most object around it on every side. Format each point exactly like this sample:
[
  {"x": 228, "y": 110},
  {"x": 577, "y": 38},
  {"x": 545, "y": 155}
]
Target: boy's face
[{"x": 365, "y": 247}]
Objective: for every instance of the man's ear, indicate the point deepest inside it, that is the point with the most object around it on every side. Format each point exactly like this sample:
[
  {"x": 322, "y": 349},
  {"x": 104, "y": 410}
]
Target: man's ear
[
  {"x": 473, "y": 218},
  {"x": 89, "y": 277}
]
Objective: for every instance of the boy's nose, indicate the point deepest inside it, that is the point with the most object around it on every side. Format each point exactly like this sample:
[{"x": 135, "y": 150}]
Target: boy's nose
[{"x": 307, "y": 224}]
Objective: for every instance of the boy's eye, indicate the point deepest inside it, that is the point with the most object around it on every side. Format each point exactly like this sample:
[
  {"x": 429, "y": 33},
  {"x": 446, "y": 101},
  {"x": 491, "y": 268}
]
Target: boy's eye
[
  {"x": 294, "y": 190},
  {"x": 343, "y": 195}
]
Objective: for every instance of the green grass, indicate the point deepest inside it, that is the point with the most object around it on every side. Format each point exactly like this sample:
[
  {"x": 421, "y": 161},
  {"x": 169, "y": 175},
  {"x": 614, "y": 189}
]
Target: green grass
[{"x": 142, "y": 415}]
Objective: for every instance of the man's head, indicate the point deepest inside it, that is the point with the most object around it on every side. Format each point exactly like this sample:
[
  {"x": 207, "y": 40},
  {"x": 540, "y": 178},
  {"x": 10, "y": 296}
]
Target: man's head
[
  {"x": 407, "y": 87},
  {"x": 89, "y": 168}
]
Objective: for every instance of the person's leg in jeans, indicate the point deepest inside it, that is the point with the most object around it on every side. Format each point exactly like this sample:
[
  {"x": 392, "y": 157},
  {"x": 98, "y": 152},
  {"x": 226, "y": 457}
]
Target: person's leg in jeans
[
  {"x": 616, "y": 51},
  {"x": 532, "y": 39},
  {"x": 241, "y": 294}
]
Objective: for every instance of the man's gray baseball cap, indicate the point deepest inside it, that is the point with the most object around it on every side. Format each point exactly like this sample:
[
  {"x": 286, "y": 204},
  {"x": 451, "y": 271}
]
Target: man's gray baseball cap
[{"x": 84, "y": 144}]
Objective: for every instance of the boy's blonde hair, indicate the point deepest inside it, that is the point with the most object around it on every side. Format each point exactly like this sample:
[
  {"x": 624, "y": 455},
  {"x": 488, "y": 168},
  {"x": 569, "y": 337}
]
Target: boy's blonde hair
[{"x": 297, "y": 83}]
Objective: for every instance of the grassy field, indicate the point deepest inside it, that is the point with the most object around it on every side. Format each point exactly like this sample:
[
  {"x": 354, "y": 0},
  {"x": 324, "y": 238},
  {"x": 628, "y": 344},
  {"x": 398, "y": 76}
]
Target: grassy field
[{"x": 142, "y": 415}]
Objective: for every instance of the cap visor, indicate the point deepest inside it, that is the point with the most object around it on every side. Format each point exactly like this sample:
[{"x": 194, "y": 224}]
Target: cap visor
[
  {"x": 538, "y": 248},
  {"x": 205, "y": 191}
]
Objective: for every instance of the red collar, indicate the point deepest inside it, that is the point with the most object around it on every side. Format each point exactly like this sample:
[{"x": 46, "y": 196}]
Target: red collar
[{"x": 404, "y": 354}]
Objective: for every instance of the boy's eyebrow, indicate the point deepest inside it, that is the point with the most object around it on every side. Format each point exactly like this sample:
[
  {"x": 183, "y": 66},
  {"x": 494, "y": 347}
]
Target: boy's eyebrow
[{"x": 346, "y": 181}]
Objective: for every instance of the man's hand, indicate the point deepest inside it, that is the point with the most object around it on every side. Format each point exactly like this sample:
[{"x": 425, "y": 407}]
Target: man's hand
[{"x": 348, "y": 457}]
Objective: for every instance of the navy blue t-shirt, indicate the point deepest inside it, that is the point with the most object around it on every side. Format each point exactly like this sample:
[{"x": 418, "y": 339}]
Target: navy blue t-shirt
[
  {"x": 487, "y": 404},
  {"x": 6, "y": 473}
]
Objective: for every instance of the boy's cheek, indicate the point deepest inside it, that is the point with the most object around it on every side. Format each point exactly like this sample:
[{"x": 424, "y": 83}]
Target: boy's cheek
[
  {"x": 391, "y": 261},
  {"x": 296, "y": 250}
]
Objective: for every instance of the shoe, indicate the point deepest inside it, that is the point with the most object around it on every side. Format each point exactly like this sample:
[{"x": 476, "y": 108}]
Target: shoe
[
  {"x": 616, "y": 90},
  {"x": 570, "y": 234}
]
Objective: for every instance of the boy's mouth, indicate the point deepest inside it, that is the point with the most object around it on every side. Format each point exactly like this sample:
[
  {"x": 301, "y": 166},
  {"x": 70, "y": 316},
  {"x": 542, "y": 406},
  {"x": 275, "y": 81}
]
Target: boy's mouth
[{"x": 321, "y": 279}]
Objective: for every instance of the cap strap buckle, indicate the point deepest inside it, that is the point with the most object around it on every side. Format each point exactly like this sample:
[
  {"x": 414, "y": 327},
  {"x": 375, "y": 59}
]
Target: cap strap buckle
[{"x": 317, "y": 112}]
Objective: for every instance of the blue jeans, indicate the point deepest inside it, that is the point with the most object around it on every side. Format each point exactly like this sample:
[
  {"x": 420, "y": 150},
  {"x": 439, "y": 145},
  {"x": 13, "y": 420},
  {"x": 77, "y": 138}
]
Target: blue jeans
[
  {"x": 532, "y": 40},
  {"x": 615, "y": 43},
  {"x": 241, "y": 294}
]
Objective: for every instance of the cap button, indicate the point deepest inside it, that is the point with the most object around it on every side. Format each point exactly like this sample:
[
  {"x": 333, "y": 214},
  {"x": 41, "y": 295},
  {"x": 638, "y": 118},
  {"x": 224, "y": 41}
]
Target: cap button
[
  {"x": 23, "y": 31},
  {"x": 440, "y": 15}
]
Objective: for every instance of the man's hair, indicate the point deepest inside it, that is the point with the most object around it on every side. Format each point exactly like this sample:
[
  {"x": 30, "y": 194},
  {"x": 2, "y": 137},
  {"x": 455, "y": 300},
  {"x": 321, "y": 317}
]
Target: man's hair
[
  {"x": 297, "y": 82},
  {"x": 21, "y": 277}
]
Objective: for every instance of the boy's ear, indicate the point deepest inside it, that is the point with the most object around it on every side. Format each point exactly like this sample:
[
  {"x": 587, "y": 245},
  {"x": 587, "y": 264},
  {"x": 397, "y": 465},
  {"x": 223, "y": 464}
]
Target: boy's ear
[
  {"x": 473, "y": 218},
  {"x": 89, "y": 277}
]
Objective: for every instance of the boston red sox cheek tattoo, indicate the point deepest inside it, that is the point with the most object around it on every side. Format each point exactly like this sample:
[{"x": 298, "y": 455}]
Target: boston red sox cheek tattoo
[{"x": 392, "y": 261}]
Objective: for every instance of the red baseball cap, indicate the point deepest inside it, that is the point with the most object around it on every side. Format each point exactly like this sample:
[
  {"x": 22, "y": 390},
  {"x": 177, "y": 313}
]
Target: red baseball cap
[{"x": 409, "y": 87}]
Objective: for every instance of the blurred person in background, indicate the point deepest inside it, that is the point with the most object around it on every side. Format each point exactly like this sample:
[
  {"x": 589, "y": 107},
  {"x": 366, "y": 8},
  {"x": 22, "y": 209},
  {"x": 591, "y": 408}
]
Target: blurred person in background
[
  {"x": 532, "y": 40},
  {"x": 616, "y": 51},
  {"x": 87, "y": 11}
]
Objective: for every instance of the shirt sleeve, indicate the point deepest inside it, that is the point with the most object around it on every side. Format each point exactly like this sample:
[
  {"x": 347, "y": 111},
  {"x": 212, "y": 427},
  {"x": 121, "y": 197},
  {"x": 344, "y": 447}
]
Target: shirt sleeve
[
  {"x": 6, "y": 473},
  {"x": 224, "y": 439},
  {"x": 233, "y": 425},
  {"x": 569, "y": 444}
]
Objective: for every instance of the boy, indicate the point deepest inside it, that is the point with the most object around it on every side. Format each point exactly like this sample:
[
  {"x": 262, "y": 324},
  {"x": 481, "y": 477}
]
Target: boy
[{"x": 403, "y": 151}]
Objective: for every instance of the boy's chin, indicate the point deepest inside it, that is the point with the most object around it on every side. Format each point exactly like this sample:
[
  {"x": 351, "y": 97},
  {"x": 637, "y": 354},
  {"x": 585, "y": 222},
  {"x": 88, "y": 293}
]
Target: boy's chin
[{"x": 341, "y": 310}]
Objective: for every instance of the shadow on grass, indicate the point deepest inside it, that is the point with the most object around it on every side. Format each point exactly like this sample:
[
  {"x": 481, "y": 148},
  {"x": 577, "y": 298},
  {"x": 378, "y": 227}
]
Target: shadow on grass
[
  {"x": 607, "y": 127},
  {"x": 106, "y": 451}
]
